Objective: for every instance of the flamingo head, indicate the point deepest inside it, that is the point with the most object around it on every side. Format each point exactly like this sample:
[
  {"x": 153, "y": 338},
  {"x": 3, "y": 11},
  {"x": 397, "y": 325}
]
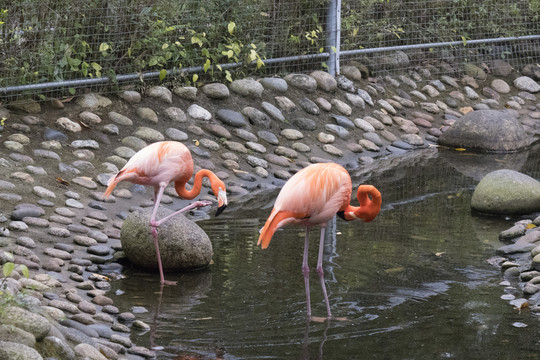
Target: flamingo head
[
  {"x": 370, "y": 205},
  {"x": 218, "y": 187}
]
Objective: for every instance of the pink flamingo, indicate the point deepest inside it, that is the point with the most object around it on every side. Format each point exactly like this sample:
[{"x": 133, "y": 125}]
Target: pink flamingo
[
  {"x": 312, "y": 197},
  {"x": 158, "y": 164}
]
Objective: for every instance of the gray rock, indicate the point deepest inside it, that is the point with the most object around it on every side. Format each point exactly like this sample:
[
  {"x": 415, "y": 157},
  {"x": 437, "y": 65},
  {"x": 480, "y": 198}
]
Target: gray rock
[
  {"x": 218, "y": 131},
  {"x": 35, "y": 324},
  {"x": 325, "y": 81},
  {"x": 338, "y": 130},
  {"x": 87, "y": 351},
  {"x": 345, "y": 84},
  {"x": 93, "y": 101},
  {"x": 486, "y": 130},
  {"x": 343, "y": 121},
  {"x": 341, "y": 107},
  {"x": 176, "y": 135},
  {"x": 257, "y": 117},
  {"x": 231, "y": 118},
  {"x": 54, "y": 347},
  {"x": 147, "y": 114},
  {"x": 160, "y": 92},
  {"x": 216, "y": 91},
  {"x": 175, "y": 114},
  {"x": 68, "y": 125},
  {"x": 292, "y": 134},
  {"x": 132, "y": 97},
  {"x": 356, "y": 100},
  {"x": 273, "y": 111},
  {"x": 268, "y": 136},
  {"x": 304, "y": 124},
  {"x": 198, "y": 113},
  {"x": 275, "y": 84},
  {"x": 256, "y": 147},
  {"x": 309, "y": 106},
  {"x": 15, "y": 351},
  {"x": 332, "y": 150},
  {"x": 187, "y": 93},
  {"x": 525, "y": 83},
  {"x": 245, "y": 135},
  {"x": 89, "y": 118},
  {"x": 302, "y": 82},
  {"x": 255, "y": 161},
  {"x": 183, "y": 244},
  {"x": 85, "y": 144},
  {"x": 14, "y": 334},
  {"x": 506, "y": 192},
  {"x": 247, "y": 88},
  {"x": 148, "y": 134},
  {"x": 365, "y": 96}
]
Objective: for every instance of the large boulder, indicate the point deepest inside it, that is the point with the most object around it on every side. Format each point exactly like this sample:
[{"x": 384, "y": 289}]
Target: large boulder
[
  {"x": 487, "y": 130},
  {"x": 182, "y": 243},
  {"x": 506, "y": 192}
]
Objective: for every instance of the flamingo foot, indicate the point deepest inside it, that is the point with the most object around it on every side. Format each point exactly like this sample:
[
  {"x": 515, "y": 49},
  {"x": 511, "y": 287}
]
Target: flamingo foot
[
  {"x": 201, "y": 203},
  {"x": 320, "y": 319},
  {"x": 168, "y": 282}
]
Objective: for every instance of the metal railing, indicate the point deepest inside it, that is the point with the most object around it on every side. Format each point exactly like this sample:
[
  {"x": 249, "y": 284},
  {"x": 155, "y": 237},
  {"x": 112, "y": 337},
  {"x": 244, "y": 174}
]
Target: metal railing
[{"x": 55, "y": 48}]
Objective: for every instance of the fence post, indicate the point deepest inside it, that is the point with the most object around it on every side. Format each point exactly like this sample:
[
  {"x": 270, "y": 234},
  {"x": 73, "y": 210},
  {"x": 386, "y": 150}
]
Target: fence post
[{"x": 331, "y": 29}]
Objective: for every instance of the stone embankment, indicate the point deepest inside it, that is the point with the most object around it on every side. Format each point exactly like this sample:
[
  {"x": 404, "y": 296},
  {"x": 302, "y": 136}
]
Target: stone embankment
[{"x": 57, "y": 157}]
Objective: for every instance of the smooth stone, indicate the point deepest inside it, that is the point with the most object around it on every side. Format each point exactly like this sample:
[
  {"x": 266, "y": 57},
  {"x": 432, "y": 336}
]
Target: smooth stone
[{"x": 183, "y": 244}]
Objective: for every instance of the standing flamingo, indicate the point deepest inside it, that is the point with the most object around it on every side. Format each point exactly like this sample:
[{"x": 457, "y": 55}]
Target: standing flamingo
[
  {"x": 312, "y": 197},
  {"x": 157, "y": 165}
]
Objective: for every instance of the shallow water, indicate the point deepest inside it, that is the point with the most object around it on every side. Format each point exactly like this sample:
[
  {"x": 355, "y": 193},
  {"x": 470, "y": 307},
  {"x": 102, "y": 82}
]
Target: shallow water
[{"x": 413, "y": 284}]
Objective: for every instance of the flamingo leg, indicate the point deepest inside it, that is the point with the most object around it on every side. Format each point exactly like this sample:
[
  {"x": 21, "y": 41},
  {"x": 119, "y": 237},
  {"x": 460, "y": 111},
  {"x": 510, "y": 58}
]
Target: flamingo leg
[
  {"x": 305, "y": 271},
  {"x": 158, "y": 194},
  {"x": 320, "y": 271}
]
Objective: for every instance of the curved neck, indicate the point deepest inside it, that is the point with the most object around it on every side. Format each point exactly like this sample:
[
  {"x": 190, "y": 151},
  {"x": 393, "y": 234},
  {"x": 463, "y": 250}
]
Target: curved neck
[
  {"x": 370, "y": 204},
  {"x": 197, "y": 185}
]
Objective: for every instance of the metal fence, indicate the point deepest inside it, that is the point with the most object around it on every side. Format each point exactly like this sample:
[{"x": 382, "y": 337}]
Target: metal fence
[{"x": 57, "y": 48}]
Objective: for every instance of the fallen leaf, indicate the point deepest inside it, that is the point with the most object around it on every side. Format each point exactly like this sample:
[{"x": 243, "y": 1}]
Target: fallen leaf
[
  {"x": 440, "y": 253},
  {"x": 460, "y": 149},
  {"x": 62, "y": 181}
]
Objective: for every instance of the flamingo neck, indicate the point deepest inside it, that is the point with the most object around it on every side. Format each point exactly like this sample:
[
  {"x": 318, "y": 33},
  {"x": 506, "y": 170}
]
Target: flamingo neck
[
  {"x": 197, "y": 185},
  {"x": 370, "y": 201}
]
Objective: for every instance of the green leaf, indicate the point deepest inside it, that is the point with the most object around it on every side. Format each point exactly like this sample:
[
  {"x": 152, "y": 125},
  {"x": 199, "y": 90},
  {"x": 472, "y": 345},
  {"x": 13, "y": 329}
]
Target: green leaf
[
  {"x": 96, "y": 66},
  {"x": 153, "y": 61},
  {"x": 162, "y": 74},
  {"x": 72, "y": 91},
  {"x": 8, "y": 268},
  {"x": 260, "y": 63},
  {"x": 231, "y": 27},
  {"x": 228, "y": 76},
  {"x": 104, "y": 47},
  {"x": 24, "y": 270},
  {"x": 195, "y": 78},
  {"x": 206, "y": 65}
]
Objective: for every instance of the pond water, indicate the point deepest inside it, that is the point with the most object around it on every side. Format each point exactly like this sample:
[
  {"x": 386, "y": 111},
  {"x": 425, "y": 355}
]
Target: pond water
[{"x": 413, "y": 284}]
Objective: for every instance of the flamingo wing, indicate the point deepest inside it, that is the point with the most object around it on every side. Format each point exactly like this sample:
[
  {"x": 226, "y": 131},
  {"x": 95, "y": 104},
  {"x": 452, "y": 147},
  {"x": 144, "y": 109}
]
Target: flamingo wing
[
  {"x": 157, "y": 164},
  {"x": 311, "y": 197}
]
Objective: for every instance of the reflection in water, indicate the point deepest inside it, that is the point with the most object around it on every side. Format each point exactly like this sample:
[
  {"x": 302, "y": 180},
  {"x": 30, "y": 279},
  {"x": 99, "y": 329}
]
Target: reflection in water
[
  {"x": 476, "y": 165},
  {"x": 413, "y": 284}
]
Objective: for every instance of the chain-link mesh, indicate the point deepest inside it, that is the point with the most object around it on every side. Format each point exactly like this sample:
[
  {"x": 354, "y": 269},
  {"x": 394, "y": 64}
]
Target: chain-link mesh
[{"x": 69, "y": 47}]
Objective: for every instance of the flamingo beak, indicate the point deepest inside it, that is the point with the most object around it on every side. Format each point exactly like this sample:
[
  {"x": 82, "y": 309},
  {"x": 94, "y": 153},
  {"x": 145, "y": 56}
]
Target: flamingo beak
[{"x": 222, "y": 201}]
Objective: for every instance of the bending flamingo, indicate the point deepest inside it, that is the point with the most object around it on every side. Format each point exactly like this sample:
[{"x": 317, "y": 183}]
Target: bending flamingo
[
  {"x": 157, "y": 165},
  {"x": 312, "y": 197}
]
